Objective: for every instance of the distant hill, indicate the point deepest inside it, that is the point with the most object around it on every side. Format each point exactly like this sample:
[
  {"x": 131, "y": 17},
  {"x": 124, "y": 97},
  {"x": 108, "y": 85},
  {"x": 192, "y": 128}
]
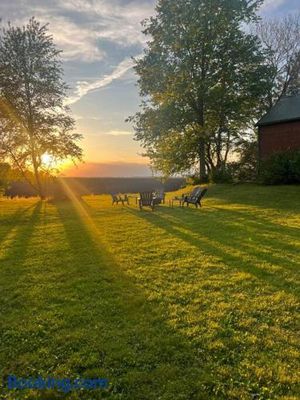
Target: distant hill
[{"x": 86, "y": 186}]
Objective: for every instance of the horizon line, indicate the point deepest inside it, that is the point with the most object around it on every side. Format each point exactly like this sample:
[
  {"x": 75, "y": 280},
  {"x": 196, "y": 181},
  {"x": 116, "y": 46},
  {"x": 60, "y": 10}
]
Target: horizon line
[{"x": 117, "y": 177}]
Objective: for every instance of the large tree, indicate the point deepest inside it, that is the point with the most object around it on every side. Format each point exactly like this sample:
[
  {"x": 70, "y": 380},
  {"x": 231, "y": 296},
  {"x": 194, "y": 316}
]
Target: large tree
[
  {"x": 202, "y": 79},
  {"x": 281, "y": 39},
  {"x": 33, "y": 119}
]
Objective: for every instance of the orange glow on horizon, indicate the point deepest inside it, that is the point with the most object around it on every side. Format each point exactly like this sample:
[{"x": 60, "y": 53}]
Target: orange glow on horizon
[{"x": 49, "y": 162}]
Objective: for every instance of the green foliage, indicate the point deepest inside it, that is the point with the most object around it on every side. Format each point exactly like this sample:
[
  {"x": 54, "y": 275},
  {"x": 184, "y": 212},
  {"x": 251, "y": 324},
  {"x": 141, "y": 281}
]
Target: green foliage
[
  {"x": 177, "y": 304},
  {"x": 196, "y": 180},
  {"x": 33, "y": 118},
  {"x": 224, "y": 174},
  {"x": 202, "y": 79},
  {"x": 247, "y": 166},
  {"x": 242, "y": 171},
  {"x": 281, "y": 168}
]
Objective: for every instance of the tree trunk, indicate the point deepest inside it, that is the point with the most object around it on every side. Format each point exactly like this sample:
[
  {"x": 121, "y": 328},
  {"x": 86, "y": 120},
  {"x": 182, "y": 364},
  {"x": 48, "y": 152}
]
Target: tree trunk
[
  {"x": 38, "y": 182},
  {"x": 202, "y": 160},
  {"x": 209, "y": 158},
  {"x": 201, "y": 145},
  {"x": 39, "y": 185},
  {"x": 219, "y": 149}
]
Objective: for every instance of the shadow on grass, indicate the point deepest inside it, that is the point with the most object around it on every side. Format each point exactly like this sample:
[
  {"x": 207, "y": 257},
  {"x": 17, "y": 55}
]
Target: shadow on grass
[
  {"x": 259, "y": 222},
  {"x": 259, "y": 196},
  {"x": 12, "y": 221},
  {"x": 25, "y": 227},
  {"x": 108, "y": 328},
  {"x": 12, "y": 264},
  {"x": 97, "y": 322},
  {"x": 268, "y": 241},
  {"x": 13, "y": 281},
  {"x": 219, "y": 237}
]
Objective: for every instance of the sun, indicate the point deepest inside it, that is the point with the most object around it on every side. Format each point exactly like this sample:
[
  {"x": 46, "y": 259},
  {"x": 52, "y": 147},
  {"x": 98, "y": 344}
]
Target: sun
[
  {"x": 47, "y": 160},
  {"x": 51, "y": 163}
]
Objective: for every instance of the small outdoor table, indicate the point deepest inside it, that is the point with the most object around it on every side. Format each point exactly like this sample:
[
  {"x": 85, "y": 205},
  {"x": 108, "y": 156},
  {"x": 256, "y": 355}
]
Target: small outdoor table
[
  {"x": 133, "y": 197},
  {"x": 178, "y": 199}
]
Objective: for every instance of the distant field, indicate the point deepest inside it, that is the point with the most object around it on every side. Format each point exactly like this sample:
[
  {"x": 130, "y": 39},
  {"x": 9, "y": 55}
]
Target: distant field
[
  {"x": 88, "y": 186},
  {"x": 176, "y": 304}
]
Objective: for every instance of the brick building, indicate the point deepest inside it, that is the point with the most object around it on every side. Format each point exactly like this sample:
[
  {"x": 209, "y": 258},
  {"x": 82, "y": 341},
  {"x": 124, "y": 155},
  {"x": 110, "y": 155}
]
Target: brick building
[{"x": 279, "y": 129}]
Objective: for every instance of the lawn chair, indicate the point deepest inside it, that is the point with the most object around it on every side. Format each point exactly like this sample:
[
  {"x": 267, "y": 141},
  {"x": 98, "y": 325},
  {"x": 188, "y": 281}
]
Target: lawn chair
[
  {"x": 147, "y": 199},
  {"x": 160, "y": 196},
  {"x": 181, "y": 199},
  {"x": 119, "y": 199},
  {"x": 195, "y": 197}
]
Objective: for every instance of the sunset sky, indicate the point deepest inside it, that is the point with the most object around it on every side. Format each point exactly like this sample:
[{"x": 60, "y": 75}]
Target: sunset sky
[{"x": 98, "y": 38}]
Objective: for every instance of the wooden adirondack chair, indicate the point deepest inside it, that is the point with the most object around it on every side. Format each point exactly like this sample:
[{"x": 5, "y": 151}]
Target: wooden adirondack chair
[
  {"x": 194, "y": 192},
  {"x": 181, "y": 199},
  {"x": 160, "y": 196},
  {"x": 115, "y": 199},
  {"x": 147, "y": 199},
  {"x": 119, "y": 199},
  {"x": 195, "y": 197}
]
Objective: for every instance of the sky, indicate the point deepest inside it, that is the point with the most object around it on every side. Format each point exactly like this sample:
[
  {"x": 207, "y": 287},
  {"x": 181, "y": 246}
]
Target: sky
[{"x": 98, "y": 39}]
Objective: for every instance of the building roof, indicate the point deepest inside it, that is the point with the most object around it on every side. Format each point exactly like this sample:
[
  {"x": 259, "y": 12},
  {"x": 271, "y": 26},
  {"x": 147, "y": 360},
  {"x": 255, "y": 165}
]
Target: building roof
[{"x": 286, "y": 109}]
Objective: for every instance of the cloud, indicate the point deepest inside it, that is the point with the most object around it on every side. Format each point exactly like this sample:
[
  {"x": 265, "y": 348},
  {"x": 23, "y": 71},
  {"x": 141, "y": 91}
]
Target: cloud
[
  {"x": 86, "y": 118},
  {"x": 77, "y": 42},
  {"x": 272, "y": 4},
  {"x": 78, "y": 26},
  {"x": 83, "y": 88},
  {"x": 118, "y": 133},
  {"x": 114, "y": 20},
  {"x": 117, "y": 170}
]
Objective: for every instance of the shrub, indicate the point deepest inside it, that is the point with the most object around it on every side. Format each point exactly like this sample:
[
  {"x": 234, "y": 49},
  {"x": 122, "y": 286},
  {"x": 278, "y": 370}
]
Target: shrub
[
  {"x": 247, "y": 165},
  {"x": 281, "y": 168},
  {"x": 222, "y": 175},
  {"x": 242, "y": 172},
  {"x": 195, "y": 180}
]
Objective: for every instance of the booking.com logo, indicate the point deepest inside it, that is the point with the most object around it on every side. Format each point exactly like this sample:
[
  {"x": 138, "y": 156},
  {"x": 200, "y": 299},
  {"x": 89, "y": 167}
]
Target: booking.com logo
[{"x": 65, "y": 385}]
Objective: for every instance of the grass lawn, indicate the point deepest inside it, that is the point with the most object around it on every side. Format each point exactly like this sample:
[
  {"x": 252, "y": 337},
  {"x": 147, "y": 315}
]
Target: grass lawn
[{"x": 176, "y": 304}]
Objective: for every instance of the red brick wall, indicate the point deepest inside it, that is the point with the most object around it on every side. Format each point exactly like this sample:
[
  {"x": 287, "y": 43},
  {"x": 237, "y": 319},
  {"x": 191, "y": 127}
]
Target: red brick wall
[{"x": 279, "y": 137}]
